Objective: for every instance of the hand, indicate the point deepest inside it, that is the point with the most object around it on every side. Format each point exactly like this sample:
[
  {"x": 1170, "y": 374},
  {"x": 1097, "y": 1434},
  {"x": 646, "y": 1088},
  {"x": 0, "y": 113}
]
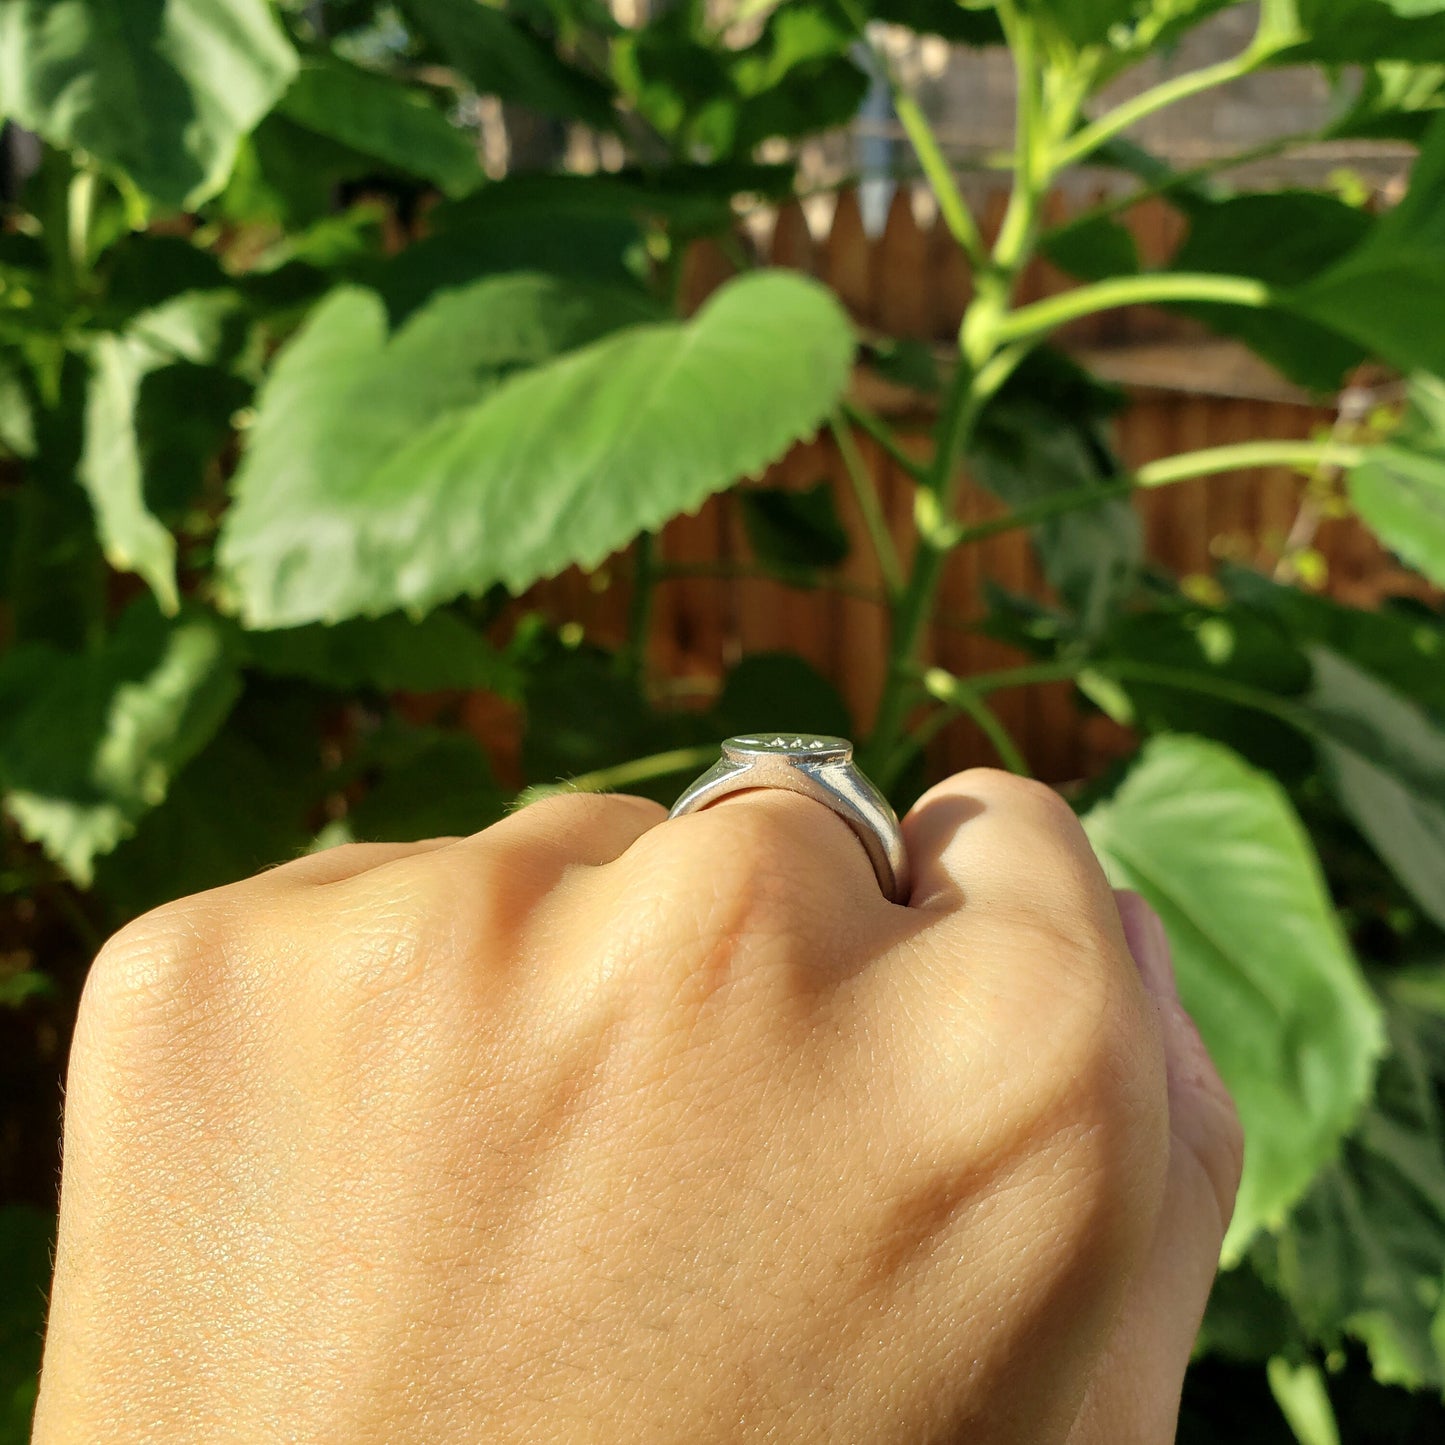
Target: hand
[{"x": 594, "y": 1128}]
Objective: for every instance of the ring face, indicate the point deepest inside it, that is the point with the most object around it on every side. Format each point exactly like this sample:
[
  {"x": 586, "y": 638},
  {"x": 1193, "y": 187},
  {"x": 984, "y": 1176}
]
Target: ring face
[
  {"x": 799, "y": 747},
  {"x": 819, "y": 767}
]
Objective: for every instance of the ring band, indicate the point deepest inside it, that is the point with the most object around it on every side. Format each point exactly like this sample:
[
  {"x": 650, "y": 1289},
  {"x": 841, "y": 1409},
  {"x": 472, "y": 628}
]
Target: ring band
[{"x": 818, "y": 767}]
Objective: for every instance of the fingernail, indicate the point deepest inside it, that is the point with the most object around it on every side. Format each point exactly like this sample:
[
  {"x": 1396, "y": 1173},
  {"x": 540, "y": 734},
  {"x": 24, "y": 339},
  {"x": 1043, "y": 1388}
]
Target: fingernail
[{"x": 1149, "y": 943}]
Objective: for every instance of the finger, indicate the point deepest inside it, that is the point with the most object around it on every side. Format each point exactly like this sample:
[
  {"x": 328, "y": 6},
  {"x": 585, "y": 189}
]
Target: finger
[
  {"x": 990, "y": 840},
  {"x": 590, "y": 829},
  {"x": 1134, "y": 1394},
  {"x": 1202, "y": 1117},
  {"x": 792, "y": 836},
  {"x": 347, "y": 860}
]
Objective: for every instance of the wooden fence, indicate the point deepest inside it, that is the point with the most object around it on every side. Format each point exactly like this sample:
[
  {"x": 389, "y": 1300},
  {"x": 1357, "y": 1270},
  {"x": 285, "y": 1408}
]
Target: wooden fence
[{"x": 1186, "y": 390}]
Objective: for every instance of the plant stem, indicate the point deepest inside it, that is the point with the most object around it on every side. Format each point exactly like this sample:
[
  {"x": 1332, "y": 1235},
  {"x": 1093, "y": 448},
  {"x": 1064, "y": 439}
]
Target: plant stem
[
  {"x": 951, "y": 205},
  {"x": 1208, "y": 461},
  {"x": 966, "y": 695},
  {"x": 1016, "y": 229},
  {"x": 1090, "y": 137},
  {"x": 987, "y": 361},
  {"x": 860, "y": 479},
  {"x": 1225, "y": 690},
  {"x": 1180, "y": 181},
  {"x": 1029, "y": 675},
  {"x": 639, "y": 611},
  {"x": 875, "y": 427},
  {"x": 964, "y": 698},
  {"x": 932, "y": 506},
  {"x": 1147, "y": 288},
  {"x": 639, "y": 770}
]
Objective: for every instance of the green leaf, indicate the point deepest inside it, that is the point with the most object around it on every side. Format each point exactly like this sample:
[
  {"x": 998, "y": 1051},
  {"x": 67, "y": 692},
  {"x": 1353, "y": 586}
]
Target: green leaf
[
  {"x": 422, "y": 783},
  {"x": 1217, "y": 673},
  {"x": 27, "y": 1239},
  {"x": 791, "y": 529},
  {"x": 502, "y": 57},
  {"x": 1384, "y": 759},
  {"x": 1246, "y": 1320},
  {"x": 286, "y": 175},
  {"x": 1300, "y": 1393},
  {"x": 1092, "y": 248},
  {"x": 245, "y": 802},
  {"x": 345, "y": 399},
  {"x": 1364, "y": 1253},
  {"x": 585, "y": 712},
  {"x": 111, "y": 472},
  {"x": 1120, "y": 24},
  {"x": 162, "y": 93},
  {"x": 1399, "y": 488},
  {"x": 1283, "y": 238},
  {"x": 560, "y": 465},
  {"x": 1396, "y": 100},
  {"x": 1400, "y": 642},
  {"x": 1045, "y": 435},
  {"x": 905, "y": 361},
  {"x": 795, "y": 78},
  {"x": 183, "y": 423},
  {"x": 391, "y": 653},
  {"x": 1262, "y": 965},
  {"x": 17, "y": 407},
  {"x": 56, "y": 576},
  {"x": 1379, "y": 293},
  {"x": 964, "y": 24},
  {"x": 90, "y": 741},
  {"x": 687, "y": 196},
  {"x": 1347, "y": 32},
  {"x": 152, "y": 425},
  {"x": 377, "y": 116}
]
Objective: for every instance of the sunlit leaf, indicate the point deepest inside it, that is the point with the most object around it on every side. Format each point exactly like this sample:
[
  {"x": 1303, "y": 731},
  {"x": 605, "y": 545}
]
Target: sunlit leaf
[
  {"x": 1380, "y": 292},
  {"x": 562, "y": 464},
  {"x": 160, "y": 90},
  {"x": 378, "y": 116},
  {"x": 1399, "y": 488},
  {"x": 1262, "y": 964},
  {"x": 89, "y": 742}
]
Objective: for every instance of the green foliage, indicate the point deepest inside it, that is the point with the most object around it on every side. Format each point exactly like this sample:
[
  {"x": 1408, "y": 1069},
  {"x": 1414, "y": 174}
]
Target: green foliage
[
  {"x": 560, "y": 465},
  {"x": 1399, "y": 488},
  {"x": 791, "y": 530},
  {"x": 269, "y": 482},
  {"x": 1364, "y": 1255},
  {"x": 161, "y": 98},
  {"x": 26, "y": 1238},
  {"x": 374, "y": 116},
  {"x": 1263, "y": 966},
  {"x": 90, "y": 741}
]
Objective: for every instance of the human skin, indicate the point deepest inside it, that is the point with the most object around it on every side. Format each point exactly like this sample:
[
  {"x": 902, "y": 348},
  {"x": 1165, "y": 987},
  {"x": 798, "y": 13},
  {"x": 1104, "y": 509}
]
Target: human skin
[{"x": 598, "y": 1127}]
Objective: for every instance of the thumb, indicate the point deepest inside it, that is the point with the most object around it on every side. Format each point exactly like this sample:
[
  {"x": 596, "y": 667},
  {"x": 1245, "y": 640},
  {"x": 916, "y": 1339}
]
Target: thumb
[{"x": 1134, "y": 1393}]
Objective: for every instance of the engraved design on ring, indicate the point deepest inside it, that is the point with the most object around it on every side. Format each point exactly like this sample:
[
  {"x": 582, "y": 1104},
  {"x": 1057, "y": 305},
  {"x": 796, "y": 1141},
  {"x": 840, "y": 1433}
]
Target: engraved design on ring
[{"x": 818, "y": 767}]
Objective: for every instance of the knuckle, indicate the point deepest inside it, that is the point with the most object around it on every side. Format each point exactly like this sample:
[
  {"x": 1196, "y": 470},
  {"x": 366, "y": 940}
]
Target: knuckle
[
  {"x": 149, "y": 967},
  {"x": 1026, "y": 797}
]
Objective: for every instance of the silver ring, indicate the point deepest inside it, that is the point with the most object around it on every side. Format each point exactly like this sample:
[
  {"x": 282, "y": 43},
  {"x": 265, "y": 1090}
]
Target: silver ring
[{"x": 821, "y": 768}]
